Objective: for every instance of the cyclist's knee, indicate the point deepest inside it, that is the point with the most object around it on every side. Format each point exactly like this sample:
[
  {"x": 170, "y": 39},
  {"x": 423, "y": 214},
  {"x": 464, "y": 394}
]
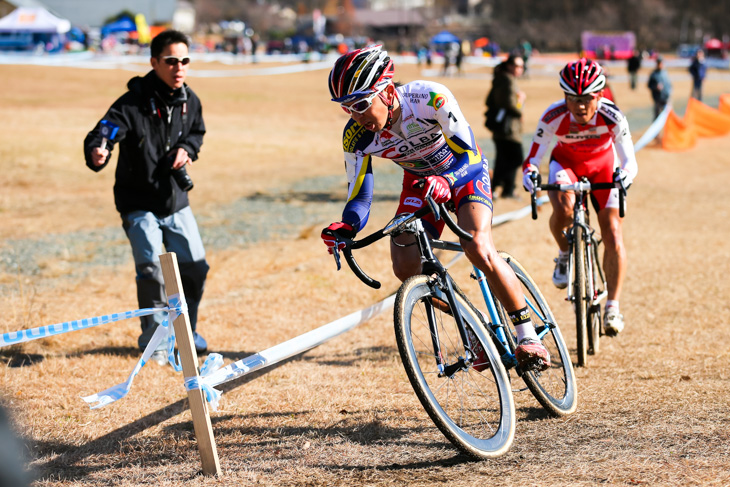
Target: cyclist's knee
[
  {"x": 403, "y": 269},
  {"x": 611, "y": 230},
  {"x": 562, "y": 215},
  {"x": 482, "y": 254}
]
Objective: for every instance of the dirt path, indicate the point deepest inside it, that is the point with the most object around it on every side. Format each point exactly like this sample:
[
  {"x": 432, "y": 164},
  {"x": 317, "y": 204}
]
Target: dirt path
[{"x": 652, "y": 404}]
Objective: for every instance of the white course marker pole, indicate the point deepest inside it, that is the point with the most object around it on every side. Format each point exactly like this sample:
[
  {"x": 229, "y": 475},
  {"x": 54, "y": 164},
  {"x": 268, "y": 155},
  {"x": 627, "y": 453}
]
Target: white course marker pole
[{"x": 189, "y": 359}]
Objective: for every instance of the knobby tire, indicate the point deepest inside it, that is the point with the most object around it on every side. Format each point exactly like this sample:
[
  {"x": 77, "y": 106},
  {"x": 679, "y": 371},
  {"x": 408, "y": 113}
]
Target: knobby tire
[
  {"x": 579, "y": 295},
  {"x": 555, "y": 388},
  {"x": 473, "y": 409}
]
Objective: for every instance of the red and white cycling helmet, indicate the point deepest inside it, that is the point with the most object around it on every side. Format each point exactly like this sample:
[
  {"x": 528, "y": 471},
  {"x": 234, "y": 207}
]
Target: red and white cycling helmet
[
  {"x": 582, "y": 77},
  {"x": 360, "y": 73}
]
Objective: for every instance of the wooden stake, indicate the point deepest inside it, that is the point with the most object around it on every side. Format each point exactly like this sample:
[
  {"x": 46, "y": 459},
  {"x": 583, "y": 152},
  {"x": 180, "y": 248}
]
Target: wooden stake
[{"x": 189, "y": 359}]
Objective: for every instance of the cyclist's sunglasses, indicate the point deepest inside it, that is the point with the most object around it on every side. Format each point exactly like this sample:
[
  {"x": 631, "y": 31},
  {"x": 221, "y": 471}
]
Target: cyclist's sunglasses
[
  {"x": 363, "y": 104},
  {"x": 582, "y": 99},
  {"x": 174, "y": 60}
]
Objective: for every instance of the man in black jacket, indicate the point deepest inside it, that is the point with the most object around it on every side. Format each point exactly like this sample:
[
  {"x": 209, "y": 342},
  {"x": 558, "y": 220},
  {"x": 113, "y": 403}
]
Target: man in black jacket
[
  {"x": 505, "y": 99},
  {"x": 159, "y": 127}
]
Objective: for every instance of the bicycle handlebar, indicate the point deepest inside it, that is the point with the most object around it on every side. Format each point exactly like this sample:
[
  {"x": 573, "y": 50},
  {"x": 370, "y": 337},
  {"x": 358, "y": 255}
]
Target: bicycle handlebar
[
  {"x": 580, "y": 186},
  {"x": 396, "y": 226}
]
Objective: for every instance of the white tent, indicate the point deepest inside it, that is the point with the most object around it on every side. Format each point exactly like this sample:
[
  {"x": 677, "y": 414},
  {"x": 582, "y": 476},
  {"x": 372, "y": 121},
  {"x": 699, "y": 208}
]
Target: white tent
[{"x": 33, "y": 20}]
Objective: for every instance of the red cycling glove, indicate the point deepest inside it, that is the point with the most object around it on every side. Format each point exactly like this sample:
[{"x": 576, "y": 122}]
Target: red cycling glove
[
  {"x": 438, "y": 186},
  {"x": 329, "y": 235}
]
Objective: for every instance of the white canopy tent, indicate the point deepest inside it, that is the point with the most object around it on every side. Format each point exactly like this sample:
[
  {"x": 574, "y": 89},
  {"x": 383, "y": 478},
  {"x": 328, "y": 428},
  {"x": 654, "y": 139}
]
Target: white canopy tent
[{"x": 35, "y": 20}]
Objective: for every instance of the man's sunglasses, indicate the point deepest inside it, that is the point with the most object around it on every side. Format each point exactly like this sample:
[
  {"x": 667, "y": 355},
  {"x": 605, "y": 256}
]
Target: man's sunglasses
[
  {"x": 582, "y": 99},
  {"x": 363, "y": 104},
  {"x": 174, "y": 60}
]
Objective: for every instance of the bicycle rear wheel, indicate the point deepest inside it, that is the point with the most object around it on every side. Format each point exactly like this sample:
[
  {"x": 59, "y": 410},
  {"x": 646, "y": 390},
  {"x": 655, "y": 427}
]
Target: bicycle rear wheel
[
  {"x": 555, "y": 388},
  {"x": 473, "y": 408},
  {"x": 580, "y": 283}
]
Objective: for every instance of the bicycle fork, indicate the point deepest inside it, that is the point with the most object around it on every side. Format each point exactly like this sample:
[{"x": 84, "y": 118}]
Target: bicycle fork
[
  {"x": 440, "y": 286},
  {"x": 443, "y": 290},
  {"x": 593, "y": 296}
]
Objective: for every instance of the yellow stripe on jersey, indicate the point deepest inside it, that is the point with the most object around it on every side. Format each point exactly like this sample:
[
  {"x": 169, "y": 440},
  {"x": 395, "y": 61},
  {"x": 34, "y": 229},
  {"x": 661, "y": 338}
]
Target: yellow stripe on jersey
[
  {"x": 475, "y": 155},
  {"x": 360, "y": 177}
]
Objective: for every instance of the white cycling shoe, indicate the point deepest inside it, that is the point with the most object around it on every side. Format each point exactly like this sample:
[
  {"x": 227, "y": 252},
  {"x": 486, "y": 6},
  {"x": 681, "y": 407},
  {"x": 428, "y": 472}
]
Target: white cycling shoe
[
  {"x": 560, "y": 274},
  {"x": 613, "y": 322}
]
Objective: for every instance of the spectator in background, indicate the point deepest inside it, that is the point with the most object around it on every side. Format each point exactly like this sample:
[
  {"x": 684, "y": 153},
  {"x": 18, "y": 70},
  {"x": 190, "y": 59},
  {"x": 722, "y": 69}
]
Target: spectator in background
[
  {"x": 633, "y": 66},
  {"x": 459, "y": 58},
  {"x": 526, "y": 49},
  {"x": 160, "y": 130},
  {"x": 698, "y": 70},
  {"x": 505, "y": 102},
  {"x": 660, "y": 87}
]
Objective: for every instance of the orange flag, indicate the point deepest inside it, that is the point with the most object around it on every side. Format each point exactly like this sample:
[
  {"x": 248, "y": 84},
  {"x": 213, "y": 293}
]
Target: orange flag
[
  {"x": 706, "y": 121},
  {"x": 678, "y": 136},
  {"x": 725, "y": 104}
]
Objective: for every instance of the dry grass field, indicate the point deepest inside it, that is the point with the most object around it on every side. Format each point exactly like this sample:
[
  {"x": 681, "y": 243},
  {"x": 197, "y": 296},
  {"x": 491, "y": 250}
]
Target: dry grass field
[{"x": 653, "y": 405}]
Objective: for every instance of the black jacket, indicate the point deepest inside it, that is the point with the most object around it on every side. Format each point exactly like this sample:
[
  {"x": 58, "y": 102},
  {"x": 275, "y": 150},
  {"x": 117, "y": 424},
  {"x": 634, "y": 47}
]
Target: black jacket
[
  {"x": 504, "y": 96},
  {"x": 146, "y": 138}
]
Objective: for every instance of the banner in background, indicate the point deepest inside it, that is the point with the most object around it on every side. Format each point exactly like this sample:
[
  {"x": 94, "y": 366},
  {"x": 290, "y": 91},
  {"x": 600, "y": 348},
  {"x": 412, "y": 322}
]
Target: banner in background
[{"x": 143, "y": 30}]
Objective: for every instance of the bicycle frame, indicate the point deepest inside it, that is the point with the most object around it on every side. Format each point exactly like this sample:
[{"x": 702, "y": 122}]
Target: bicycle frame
[
  {"x": 554, "y": 387},
  {"x": 432, "y": 266},
  {"x": 580, "y": 219},
  {"x": 496, "y": 326}
]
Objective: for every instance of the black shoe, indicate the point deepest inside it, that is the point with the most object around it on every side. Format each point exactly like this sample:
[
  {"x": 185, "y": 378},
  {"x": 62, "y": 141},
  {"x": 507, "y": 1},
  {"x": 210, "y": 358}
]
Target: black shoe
[{"x": 200, "y": 344}]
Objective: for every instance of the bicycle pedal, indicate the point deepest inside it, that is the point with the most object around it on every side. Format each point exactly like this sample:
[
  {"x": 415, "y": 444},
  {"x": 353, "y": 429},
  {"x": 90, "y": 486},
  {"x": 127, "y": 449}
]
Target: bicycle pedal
[
  {"x": 538, "y": 365},
  {"x": 535, "y": 365}
]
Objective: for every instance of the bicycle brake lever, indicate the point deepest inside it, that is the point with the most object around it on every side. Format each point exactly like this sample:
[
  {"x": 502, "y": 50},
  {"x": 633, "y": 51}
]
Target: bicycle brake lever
[
  {"x": 435, "y": 208},
  {"x": 336, "y": 255}
]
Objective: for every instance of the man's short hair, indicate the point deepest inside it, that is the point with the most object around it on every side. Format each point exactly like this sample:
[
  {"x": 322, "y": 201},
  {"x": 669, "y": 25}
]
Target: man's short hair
[{"x": 164, "y": 39}]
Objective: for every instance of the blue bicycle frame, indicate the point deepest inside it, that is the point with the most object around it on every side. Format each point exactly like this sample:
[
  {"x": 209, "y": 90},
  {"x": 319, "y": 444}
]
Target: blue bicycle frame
[{"x": 508, "y": 358}]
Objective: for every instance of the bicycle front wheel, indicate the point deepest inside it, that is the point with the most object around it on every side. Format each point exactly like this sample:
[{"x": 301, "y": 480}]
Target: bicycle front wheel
[
  {"x": 555, "y": 388},
  {"x": 580, "y": 302},
  {"x": 471, "y": 404}
]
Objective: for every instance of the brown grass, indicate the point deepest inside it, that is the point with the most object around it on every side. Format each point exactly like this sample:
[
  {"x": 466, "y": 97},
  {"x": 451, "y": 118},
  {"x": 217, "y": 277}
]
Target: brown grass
[{"x": 653, "y": 404}]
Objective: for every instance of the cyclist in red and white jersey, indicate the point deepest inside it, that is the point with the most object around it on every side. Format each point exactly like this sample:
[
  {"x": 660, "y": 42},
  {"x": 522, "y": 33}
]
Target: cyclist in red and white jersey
[
  {"x": 593, "y": 139},
  {"x": 420, "y": 127}
]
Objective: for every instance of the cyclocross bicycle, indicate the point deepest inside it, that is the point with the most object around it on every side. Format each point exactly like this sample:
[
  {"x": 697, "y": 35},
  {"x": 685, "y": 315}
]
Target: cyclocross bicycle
[
  {"x": 587, "y": 286},
  {"x": 457, "y": 357}
]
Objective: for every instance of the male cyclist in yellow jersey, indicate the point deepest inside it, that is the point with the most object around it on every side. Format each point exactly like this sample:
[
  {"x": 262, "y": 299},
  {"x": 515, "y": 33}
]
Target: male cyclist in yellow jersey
[
  {"x": 420, "y": 127},
  {"x": 593, "y": 139}
]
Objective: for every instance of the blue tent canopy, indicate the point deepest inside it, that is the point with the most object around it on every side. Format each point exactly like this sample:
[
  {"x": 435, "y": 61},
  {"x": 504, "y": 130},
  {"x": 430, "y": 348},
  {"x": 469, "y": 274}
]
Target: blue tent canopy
[
  {"x": 125, "y": 24},
  {"x": 444, "y": 37}
]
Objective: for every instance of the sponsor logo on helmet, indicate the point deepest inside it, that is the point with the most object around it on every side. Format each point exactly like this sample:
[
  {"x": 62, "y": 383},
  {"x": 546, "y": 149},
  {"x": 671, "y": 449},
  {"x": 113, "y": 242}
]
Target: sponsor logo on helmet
[{"x": 437, "y": 100}]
